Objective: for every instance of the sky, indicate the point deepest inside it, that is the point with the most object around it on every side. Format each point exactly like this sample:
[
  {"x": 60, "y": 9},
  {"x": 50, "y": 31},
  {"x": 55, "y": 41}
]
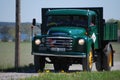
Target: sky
[{"x": 32, "y": 8}]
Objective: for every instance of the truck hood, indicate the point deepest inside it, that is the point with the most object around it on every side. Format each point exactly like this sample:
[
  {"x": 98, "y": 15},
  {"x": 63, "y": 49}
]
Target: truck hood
[{"x": 67, "y": 31}]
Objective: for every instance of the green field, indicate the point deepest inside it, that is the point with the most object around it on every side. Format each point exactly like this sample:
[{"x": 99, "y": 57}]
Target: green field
[
  {"x": 113, "y": 75},
  {"x": 7, "y": 53}
]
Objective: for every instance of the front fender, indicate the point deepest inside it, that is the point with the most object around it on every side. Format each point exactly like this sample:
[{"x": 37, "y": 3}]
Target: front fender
[{"x": 89, "y": 43}]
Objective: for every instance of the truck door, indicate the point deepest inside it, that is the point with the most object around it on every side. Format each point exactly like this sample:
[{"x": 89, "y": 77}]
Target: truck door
[{"x": 94, "y": 30}]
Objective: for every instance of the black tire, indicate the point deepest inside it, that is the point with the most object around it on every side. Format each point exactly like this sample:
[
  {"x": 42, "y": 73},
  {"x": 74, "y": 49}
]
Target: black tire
[
  {"x": 108, "y": 57},
  {"x": 88, "y": 61},
  {"x": 99, "y": 62},
  {"x": 65, "y": 67},
  {"x": 61, "y": 66},
  {"x": 39, "y": 62},
  {"x": 57, "y": 67}
]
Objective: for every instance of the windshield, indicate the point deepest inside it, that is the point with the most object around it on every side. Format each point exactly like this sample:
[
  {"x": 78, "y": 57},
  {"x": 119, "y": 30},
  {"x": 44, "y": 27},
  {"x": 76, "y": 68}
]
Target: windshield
[{"x": 81, "y": 21}]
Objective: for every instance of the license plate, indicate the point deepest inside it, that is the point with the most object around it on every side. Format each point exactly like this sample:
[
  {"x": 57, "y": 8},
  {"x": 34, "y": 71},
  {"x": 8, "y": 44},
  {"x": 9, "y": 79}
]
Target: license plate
[{"x": 57, "y": 49}]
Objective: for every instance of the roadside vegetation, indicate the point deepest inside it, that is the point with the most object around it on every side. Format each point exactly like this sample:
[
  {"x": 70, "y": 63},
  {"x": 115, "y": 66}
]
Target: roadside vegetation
[{"x": 112, "y": 75}]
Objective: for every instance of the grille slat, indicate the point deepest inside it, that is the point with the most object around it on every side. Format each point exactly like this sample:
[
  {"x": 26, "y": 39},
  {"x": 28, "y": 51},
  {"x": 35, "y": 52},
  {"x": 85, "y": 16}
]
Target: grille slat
[{"x": 59, "y": 42}]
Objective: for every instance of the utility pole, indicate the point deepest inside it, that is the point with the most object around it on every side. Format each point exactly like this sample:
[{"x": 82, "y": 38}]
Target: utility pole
[{"x": 17, "y": 35}]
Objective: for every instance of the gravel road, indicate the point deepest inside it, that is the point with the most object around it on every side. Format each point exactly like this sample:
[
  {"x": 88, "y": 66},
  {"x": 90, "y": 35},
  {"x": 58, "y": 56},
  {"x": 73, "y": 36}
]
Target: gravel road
[{"x": 16, "y": 76}]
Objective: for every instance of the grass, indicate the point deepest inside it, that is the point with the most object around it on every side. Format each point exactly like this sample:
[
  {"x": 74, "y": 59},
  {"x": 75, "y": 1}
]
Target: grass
[
  {"x": 7, "y": 53},
  {"x": 113, "y": 75}
]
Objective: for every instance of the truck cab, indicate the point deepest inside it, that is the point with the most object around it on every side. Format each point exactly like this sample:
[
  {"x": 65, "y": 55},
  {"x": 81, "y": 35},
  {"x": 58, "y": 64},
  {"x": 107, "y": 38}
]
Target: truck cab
[{"x": 69, "y": 36}]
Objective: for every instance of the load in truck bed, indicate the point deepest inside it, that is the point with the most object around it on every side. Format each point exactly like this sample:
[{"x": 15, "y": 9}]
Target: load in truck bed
[{"x": 110, "y": 31}]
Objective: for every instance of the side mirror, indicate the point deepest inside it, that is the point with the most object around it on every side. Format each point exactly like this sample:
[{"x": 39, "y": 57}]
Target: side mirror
[
  {"x": 34, "y": 22},
  {"x": 103, "y": 21}
]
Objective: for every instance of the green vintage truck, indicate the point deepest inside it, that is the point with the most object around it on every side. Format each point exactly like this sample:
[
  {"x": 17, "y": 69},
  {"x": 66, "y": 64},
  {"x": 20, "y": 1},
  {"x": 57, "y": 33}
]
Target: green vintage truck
[{"x": 74, "y": 36}]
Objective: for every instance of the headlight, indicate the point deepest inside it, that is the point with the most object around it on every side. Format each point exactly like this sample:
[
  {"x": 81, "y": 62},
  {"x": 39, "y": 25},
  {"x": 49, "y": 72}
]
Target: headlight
[
  {"x": 37, "y": 41},
  {"x": 81, "y": 42}
]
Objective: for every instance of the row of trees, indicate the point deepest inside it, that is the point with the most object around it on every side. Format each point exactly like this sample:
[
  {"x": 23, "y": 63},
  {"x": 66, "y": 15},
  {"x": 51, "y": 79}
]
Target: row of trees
[
  {"x": 7, "y": 32},
  {"x": 114, "y": 20}
]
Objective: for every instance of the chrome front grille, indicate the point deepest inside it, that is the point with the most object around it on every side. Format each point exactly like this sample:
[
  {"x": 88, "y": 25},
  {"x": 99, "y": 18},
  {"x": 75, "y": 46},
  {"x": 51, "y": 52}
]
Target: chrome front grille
[{"x": 64, "y": 43}]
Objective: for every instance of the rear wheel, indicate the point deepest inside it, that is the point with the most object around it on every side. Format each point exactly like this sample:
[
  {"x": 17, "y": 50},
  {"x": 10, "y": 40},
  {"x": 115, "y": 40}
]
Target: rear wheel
[
  {"x": 87, "y": 62},
  {"x": 39, "y": 62},
  {"x": 108, "y": 57}
]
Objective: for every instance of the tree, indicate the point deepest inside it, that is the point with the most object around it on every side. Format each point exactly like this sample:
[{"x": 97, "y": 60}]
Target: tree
[
  {"x": 114, "y": 20},
  {"x": 5, "y": 33},
  {"x": 12, "y": 32}
]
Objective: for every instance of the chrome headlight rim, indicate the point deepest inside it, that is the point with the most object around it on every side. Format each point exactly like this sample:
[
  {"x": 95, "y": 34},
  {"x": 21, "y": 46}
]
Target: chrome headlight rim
[
  {"x": 37, "y": 41},
  {"x": 81, "y": 41}
]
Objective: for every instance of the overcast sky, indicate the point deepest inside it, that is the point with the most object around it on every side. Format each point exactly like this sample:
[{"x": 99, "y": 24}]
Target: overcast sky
[{"x": 31, "y": 8}]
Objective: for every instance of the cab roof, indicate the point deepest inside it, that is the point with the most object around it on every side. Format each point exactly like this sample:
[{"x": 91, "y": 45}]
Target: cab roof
[{"x": 70, "y": 12}]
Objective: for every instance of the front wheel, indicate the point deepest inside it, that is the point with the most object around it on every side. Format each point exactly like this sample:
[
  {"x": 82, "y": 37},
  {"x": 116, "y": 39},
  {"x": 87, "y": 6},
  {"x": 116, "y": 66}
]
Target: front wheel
[
  {"x": 87, "y": 62},
  {"x": 99, "y": 65},
  {"x": 39, "y": 62}
]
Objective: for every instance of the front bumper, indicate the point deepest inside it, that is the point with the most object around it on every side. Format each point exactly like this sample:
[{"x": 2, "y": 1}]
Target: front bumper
[{"x": 62, "y": 54}]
